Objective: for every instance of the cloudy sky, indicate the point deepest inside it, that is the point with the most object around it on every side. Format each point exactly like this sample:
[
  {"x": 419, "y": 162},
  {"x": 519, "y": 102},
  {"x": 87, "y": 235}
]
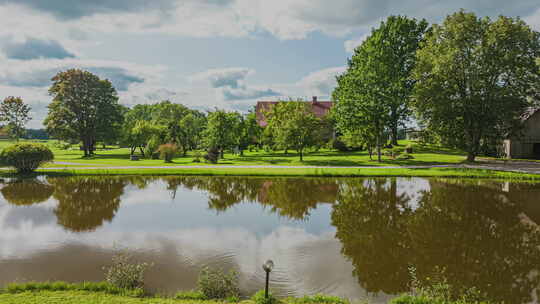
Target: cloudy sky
[{"x": 202, "y": 53}]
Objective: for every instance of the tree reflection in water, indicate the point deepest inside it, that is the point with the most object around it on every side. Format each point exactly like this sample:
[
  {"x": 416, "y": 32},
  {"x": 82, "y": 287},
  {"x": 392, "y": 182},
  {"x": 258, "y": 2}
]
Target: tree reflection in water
[
  {"x": 85, "y": 203},
  {"x": 473, "y": 231},
  {"x": 484, "y": 234},
  {"x": 289, "y": 197},
  {"x": 26, "y": 191}
]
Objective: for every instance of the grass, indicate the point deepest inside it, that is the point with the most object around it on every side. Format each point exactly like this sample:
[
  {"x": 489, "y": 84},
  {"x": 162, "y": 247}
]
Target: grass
[
  {"x": 113, "y": 156},
  {"x": 103, "y": 293},
  {"x": 424, "y": 155}
]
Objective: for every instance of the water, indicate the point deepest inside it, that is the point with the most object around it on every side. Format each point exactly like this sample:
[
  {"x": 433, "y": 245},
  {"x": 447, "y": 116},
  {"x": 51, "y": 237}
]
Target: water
[{"x": 354, "y": 238}]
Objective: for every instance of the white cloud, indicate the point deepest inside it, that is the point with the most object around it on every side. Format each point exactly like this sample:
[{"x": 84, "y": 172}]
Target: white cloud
[
  {"x": 534, "y": 20},
  {"x": 321, "y": 82},
  {"x": 217, "y": 78},
  {"x": 352, "y": 44}
]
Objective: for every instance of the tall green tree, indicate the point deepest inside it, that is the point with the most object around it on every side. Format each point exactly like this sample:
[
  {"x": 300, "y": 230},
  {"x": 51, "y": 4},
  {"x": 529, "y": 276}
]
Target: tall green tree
[
  {"x": 15, "y": 113},
  {"x": 220, "y": 131},
  {"x": 374, "y": 93},
  {"x": 294, "y": 125},
  {"x": 190, "y": 131},
  {"x": 475, "y": 77},
  {"x": 83, "y": 106}
]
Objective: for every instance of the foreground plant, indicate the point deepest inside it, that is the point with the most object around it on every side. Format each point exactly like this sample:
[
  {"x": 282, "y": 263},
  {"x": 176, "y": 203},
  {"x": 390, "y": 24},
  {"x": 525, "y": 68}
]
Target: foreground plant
[
  {"x": 26, "y": 158},
  {"x": 216, "y": 284},
  {"x": 123, "y": 273}
]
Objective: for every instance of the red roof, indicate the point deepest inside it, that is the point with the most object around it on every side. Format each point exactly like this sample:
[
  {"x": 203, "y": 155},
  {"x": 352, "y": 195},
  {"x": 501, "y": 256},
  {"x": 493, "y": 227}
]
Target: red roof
[{"x": 319, "y": 108}]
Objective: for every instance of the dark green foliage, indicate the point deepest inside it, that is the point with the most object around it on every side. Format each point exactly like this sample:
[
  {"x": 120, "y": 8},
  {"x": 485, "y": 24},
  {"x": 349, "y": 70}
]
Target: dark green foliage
[
  {"x": 212, "y": 155},
  {"x": 259, "y": 298},
  {"x": 338, "y": 144},
  {"x": 27, "y": 157},
  {"x": 216, "y": 284},
  {"x": 475, "y": 77},
  {"x": 84, "y": 108}
]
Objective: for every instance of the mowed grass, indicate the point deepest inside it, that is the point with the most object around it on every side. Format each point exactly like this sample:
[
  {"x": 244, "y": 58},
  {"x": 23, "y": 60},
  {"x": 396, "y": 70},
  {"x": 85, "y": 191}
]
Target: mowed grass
[
  {"x": 85, "y": 297},
  {"x": 115, "y": 157}
]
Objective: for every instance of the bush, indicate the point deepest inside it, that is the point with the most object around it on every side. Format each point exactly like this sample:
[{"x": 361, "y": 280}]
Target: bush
[
  {"x": 339, "y": 145},
  {"x": 62, "y": 145},
  {"x": 151, "y": 148},
  {"x": 197, "y": 157},
  {"x": 212, "y": 155},
  {"x": 26, "y": 157},
  {"x": 125, "y": 274},
  {"x": 259, "y": 298},
  {"x": 318, "y": 298},
  {"x": 215, "y": 284},
  {"x": 167, "y": 152}
]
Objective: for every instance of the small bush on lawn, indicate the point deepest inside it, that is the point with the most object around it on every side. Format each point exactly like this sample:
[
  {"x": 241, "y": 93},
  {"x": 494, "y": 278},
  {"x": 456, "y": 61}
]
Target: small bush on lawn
[
  {"x": 259, "y": 298},
  {"x": 339, "y": 145},
  {"x": 125, "y": 274},
  {"x": 216, "y": 284},
  {"x": 212, "y": 155},
  {"x": 167, "y": 152},
  {"x": 26, "y": 158},
  {"x": 197, "y": 157},
  {"x": 193, "y": 295}
]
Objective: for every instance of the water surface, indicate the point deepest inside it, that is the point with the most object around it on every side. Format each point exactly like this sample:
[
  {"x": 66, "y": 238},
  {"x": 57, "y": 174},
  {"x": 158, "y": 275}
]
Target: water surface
[{"x": 352, "y": 237}]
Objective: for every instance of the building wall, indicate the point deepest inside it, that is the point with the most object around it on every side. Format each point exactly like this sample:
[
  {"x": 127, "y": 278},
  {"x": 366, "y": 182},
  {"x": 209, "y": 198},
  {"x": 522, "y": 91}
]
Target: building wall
[{"x": 523, "y": 147}]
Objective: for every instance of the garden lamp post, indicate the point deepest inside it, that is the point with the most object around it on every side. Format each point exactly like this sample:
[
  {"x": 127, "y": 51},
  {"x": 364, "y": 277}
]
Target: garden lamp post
[{"x": 267, "y": 266}]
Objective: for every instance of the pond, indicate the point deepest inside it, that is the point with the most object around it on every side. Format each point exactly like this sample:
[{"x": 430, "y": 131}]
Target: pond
[{"x": 351, "y": 237}]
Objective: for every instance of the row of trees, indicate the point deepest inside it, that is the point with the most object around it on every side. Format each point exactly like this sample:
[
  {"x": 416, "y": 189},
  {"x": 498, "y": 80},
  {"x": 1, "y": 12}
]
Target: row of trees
[
  {"x": 467, "y": 80},
  {"x": 85, "y": 109}
]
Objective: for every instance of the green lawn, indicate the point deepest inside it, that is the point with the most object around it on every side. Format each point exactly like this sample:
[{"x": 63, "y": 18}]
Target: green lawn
[
  {"x": 423, "y": 155},
  {"x": 84, "y": 297}
]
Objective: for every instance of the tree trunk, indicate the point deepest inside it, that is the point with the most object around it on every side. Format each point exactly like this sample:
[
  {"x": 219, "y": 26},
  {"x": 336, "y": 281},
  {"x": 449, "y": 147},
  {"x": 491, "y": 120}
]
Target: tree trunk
[
  {"x": 378, "y": 147},
  {"x": 222, "y": 153},
  {"x": 301, "y": 155},
  {"x": 142, "y": 151},
  {"x": 132, "y": 151},
  {"x": 471, "y": 156},
  {"x": 394, "y": 135}
]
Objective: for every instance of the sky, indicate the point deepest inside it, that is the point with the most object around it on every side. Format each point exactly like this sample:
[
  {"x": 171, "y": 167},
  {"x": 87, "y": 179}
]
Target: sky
[{"x": 202, "y": 53}]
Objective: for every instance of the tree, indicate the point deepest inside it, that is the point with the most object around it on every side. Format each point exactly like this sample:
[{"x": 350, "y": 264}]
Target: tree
[
  {"x": 189, "y": 132},
  {"x": 140, "y": 134},
  {"x": 475, "y": 78},
  {"x": 83, "y": 107},
  {"x": 220, "y": 130},
  {"x": 294, "y": 125},
  {"x": 374, "y": 93},
  {"x": 15, "y": 113}
]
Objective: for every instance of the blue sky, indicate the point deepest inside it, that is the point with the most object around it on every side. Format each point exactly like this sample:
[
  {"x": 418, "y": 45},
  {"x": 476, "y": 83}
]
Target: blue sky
[{"x": 202, "y": 53}]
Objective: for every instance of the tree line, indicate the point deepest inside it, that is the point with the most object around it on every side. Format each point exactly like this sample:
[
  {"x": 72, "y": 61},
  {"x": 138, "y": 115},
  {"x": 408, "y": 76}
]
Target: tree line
[{"x": 465, "y": 82}]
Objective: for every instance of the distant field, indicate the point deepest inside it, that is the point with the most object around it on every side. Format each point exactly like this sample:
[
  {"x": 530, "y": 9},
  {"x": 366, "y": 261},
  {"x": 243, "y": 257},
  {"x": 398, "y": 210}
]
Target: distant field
[{"x": 114, "y": 156}]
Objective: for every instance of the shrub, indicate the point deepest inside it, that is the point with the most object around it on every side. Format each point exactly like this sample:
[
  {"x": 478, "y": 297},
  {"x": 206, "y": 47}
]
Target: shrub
[
  {"x": 151, "y": 148},
  {"x": 197, "y": 157},
  {"x": 125, "y": 274},
  {"x": 167, "y": 152},
  {"x": 212, "y": 155},
  {"x": 259, "y": 298},
  {"x": 216, "y": 284},
  {"x": 26, "y": 158},
  {"x": 318, "y": 298},
  {"x": 62, "y": 145},
  {"x": 339, "y": 145}
]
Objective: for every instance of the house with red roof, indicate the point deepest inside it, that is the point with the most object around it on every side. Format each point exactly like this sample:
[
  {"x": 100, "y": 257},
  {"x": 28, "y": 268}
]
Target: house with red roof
[{"x": 319, "y": 108}]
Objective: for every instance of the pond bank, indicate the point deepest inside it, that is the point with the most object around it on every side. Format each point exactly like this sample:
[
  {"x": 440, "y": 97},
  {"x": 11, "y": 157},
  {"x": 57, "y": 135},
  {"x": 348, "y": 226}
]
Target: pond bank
[{"x": 458, "y": 171}]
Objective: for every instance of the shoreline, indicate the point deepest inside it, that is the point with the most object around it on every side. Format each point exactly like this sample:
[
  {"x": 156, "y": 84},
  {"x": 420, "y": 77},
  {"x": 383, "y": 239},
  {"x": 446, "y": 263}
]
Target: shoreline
[{"x": 297, "y": 171}]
